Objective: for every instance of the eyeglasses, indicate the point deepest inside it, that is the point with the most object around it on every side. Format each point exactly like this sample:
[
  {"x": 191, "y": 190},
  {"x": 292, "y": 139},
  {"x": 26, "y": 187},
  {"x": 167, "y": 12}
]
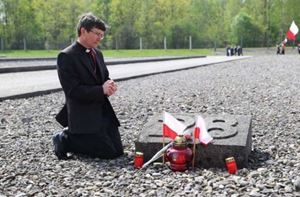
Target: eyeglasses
[{"x": 99, "y": 34}]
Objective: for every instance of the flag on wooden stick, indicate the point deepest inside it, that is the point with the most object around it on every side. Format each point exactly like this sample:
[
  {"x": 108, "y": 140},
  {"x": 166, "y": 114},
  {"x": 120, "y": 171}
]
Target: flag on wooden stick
[
  {"x": 172, "y": 127},
  {"x": 201, "y": 132},
  {"x": 292, "y": 32}
]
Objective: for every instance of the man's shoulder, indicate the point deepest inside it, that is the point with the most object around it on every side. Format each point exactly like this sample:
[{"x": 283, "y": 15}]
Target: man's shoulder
[
  {"x": 99, "y": 52},
  {"x": 67, "y": 53},
  {"x": 69, "y": 49}
]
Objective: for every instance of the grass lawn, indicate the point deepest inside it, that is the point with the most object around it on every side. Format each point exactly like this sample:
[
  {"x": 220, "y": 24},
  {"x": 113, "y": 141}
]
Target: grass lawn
[{"x": 112, "y": 53}]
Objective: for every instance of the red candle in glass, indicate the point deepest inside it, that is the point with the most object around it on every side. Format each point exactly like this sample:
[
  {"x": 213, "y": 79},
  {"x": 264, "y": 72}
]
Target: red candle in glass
[
  {"x": 231, "y": 165},
  {"x": 179, "y": 155},
  {"x": 138, "y": 160}
]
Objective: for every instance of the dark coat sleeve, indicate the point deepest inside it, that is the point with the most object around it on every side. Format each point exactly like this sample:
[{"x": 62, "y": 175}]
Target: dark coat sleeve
[
  {"x": 87, "y": 109},
  {"x": 62, "y": 116},
  {"x": 78, "y": 87}
]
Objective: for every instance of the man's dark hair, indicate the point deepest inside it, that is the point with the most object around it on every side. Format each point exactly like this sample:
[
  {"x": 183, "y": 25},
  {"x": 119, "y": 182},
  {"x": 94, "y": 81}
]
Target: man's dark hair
[{"x": 89, "y": 21}]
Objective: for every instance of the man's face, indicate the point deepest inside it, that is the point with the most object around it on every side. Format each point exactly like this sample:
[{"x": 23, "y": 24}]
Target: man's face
[{"x": 92, "y": 38}]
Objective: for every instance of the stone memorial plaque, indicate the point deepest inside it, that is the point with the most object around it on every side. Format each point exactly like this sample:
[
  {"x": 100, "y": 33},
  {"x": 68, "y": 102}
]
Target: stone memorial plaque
[{"x": 231, "y": 134}]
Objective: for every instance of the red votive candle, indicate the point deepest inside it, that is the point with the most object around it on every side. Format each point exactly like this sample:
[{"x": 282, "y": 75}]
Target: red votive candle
[
  {"x": 231, "y": 165},
  {"x": 138, "y": 160}
]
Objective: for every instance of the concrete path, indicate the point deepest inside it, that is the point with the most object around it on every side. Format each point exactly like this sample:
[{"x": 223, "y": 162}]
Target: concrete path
[
  {"x": 8, "y": 65},
  {"x": 24, "y": 84}
]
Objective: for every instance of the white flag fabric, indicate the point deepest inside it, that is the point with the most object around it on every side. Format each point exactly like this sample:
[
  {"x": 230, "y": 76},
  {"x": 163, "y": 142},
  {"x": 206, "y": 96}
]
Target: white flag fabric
[
  {"x": 292, "y": 32},
  {"x": 201, "y": 132},
  {"x": 171, "y": 126}
]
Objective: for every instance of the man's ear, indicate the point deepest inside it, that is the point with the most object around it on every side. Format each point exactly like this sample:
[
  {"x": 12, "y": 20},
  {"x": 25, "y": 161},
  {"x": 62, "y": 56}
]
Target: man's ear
[{"x": 82, "y": 30}]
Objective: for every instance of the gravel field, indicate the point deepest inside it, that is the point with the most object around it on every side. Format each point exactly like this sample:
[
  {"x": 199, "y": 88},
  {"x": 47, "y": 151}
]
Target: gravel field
[{"x": 266, "y": 87}]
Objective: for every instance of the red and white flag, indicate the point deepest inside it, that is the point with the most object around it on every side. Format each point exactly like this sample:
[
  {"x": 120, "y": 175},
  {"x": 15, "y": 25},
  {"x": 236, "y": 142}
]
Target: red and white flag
[
  {"x": 172, "y": 127},
  {"x": 200, "y": 131},
  {"x": 292, "y": 32}
]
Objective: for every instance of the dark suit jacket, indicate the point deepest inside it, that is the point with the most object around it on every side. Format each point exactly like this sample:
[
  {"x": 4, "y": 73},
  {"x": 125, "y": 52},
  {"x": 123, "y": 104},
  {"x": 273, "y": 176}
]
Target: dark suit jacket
[{"x": 87, "y": 109}]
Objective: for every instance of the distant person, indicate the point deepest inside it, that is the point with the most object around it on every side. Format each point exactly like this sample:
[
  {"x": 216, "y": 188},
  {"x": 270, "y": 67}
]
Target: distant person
[
  {"x": 240, "y": 50},
  {"x": 228, "y": 50},
  {"x": 298, "y": 46},
  {"x": 90, "y": 121},
  {"x": 232, "y": 51},
  {"x": 282, "y": 48},
  {"x": 278, "y": 49},
  {"x": 235, "y": 50}
]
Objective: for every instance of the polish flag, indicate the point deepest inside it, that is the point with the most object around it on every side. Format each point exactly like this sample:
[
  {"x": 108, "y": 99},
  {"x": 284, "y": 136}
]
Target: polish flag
[
  {"x": 200, "y": 131},
  {"x": 172, "y": 127},
  {"x": 291, "y": 34}
]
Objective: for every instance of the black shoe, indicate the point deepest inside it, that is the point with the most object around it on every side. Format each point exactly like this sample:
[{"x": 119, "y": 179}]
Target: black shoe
[{"x": 59, "y": 149}]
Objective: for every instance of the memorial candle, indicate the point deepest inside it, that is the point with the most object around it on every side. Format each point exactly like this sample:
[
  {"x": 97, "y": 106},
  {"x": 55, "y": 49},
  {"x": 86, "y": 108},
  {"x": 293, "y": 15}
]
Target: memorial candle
[
  {"x": 138, "y": 160},
  {"x": 231, "y": 165}
]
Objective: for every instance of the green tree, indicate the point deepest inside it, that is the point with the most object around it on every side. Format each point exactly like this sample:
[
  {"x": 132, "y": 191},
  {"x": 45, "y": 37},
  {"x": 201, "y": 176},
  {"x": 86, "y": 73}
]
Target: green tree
[
  {"x": 213, "y": 29},
  {"x": 149, "y": 24},
  {"x": 51, "y": 24},
  {"x": 231, "y": 9},
  {"x": 101, "y": 8},
  {"x": 245, "y": 31},
  {"x": 122, "y": 19},
  {"x": 19, "y": 27}
]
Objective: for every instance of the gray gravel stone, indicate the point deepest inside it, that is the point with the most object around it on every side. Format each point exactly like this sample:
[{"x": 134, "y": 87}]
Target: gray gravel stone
[
  {"x": 265, "y": 87},
  {"x": 297, "y": 184}
]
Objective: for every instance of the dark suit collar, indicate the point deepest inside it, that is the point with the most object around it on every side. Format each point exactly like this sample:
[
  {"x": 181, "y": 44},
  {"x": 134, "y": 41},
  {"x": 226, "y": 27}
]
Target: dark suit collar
[
  {"x": 81, "y": 48},
  {"x": 86, "y": 58}
]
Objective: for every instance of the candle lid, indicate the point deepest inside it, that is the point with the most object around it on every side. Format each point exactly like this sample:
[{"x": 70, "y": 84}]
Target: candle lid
[
  {"x": 229, "y": 159},
  {"x": 139, "y": 153},
  {"x": 180, "y": 141}
]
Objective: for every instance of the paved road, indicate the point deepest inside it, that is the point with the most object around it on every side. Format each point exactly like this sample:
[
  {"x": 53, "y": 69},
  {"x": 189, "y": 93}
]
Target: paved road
[
  {"x": 8, "y": 65},
  {"x": 23, "y": 84}
]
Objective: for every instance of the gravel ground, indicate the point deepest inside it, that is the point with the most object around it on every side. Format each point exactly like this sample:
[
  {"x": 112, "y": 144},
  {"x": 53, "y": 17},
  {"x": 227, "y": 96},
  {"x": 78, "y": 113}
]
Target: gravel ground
[{"x": 266, "y": 87}]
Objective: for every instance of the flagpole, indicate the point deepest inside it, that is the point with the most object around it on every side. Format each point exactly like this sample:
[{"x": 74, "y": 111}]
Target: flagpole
[
  {"x": 163, "y": 145},
  {"x": 157, "y": 155},
  {"x": 194, "y": 151},
  {"x": 294, "y": 44}
]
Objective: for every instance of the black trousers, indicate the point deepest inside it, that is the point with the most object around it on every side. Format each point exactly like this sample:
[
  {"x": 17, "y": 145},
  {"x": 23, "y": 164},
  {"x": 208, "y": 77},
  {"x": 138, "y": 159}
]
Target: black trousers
[{"x": 105, "y": 144}]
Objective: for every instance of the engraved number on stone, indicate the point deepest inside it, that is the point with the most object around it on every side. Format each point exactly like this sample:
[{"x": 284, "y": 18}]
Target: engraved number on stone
[
  {"x": 156, "y": 130},
  {"x": 221, "y": 127}
]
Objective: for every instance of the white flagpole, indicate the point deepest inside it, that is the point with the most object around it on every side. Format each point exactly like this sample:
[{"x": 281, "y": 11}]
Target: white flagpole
[
  {"x": 194, "y": 151},
  {"x": 161, "y": 152},
  {"x": 163, "y": 129},
  {"x": 163, "y": 148},
  {"x": 157, "y": 155}
]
